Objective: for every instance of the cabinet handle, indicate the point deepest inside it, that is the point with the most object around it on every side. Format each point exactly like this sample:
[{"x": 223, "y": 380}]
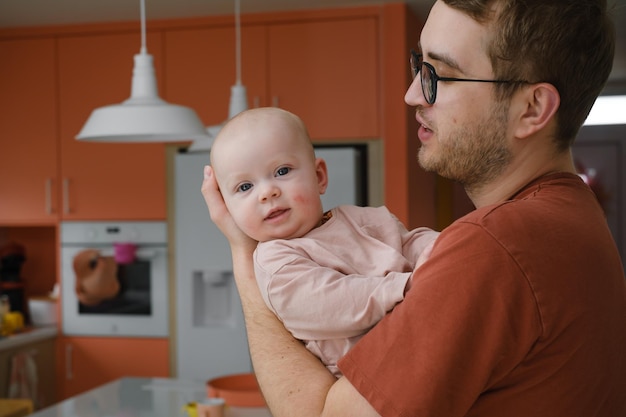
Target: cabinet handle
[
  {"x": 49, "y": 196},
  {"x": 68, "y": 362},
  {"x": 66, "y": 196},
  {"x": 256, "y": 102},
  {"x": 275, "y": 101}
]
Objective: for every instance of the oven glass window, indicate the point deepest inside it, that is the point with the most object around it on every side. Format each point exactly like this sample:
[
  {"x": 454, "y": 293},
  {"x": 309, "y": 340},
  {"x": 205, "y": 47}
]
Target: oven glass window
[{"x": 133, "y": 297}]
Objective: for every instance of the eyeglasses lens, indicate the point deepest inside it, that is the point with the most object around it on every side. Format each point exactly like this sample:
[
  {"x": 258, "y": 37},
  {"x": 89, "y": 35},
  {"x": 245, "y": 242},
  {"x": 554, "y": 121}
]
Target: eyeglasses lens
[
  {"x": 426, "y": 76},
  {"x": 415, "y": 62},
  {"x": 428, "y": 83}
]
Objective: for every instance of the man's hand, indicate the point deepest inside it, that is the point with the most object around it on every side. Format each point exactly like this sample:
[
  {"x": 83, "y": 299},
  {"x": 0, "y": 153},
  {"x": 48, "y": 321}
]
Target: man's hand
[{"x": 221, "y": 216}]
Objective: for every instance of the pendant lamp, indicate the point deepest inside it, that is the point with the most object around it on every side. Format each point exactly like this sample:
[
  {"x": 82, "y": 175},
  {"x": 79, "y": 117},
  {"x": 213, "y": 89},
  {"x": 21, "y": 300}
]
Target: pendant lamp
[
  {"x": 238, "y": 96},
  {"x": 144, "y": 117}
]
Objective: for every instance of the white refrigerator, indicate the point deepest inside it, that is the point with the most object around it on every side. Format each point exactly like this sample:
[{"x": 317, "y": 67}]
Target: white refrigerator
[{"x": 210, "y": 333}]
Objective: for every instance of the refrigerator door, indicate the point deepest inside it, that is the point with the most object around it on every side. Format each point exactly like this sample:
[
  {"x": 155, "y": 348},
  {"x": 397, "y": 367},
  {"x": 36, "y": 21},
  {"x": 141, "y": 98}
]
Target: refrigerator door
[
  {"x": 346, "y": 175},
  {"x": 210, "y": 332}
]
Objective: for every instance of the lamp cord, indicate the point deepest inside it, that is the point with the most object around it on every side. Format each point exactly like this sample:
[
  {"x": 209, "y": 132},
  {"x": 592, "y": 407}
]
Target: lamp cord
[
  {"x": 238, "y": 42},
  {"x": 142, "y": 5}
]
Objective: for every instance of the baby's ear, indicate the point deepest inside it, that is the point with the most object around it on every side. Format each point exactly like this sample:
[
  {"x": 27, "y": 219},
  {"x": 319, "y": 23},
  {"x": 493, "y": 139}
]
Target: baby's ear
[{"x": 322, "y": 175}]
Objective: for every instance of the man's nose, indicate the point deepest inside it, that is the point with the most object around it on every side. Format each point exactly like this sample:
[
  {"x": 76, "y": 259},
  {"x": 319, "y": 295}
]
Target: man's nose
[{"x": 414, "y": 95}]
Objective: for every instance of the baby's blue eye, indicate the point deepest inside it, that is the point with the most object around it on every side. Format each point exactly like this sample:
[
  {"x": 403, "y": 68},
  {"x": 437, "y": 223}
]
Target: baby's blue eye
[
  {"x": 282, "y": 171},
  {"x": 245, "y": 187}
]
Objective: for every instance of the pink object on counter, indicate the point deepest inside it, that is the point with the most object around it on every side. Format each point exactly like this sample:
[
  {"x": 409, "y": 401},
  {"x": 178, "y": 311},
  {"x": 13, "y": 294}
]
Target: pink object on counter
[{"x": 125, "y": 252}]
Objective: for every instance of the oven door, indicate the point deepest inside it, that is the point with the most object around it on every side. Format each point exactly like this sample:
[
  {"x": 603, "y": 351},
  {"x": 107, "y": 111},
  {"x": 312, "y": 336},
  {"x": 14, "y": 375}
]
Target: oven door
[{"x": 139, "y": 309}]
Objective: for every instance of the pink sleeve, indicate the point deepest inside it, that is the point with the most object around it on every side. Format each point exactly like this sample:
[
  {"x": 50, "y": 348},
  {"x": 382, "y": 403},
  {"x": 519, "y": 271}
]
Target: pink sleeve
[{"x": 318, "y": 303}]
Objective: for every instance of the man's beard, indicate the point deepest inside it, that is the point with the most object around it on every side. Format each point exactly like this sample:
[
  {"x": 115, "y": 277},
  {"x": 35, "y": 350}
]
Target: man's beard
[{"x": 474, "y": 157}]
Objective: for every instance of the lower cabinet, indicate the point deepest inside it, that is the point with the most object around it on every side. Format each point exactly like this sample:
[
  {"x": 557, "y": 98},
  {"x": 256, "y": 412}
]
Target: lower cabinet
[
  {"x": 87, "y": 362},
  {"x": 34, "y": 365}
]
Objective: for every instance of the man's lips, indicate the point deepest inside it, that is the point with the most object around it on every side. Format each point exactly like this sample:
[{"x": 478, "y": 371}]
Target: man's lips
[
  {"x": 420, "y": 121},
  {"x": 424, "y": 128},
  {"x": 424, "y": 131}
]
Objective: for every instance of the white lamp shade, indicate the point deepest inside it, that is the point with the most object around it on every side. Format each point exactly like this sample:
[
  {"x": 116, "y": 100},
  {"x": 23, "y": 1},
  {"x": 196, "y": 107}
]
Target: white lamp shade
[
  {"x": 238, "y": 103},
  {"x": 238, "y": 100},
  {"x": 144, "y": 117},
  {"x": 154, "y": 122}
]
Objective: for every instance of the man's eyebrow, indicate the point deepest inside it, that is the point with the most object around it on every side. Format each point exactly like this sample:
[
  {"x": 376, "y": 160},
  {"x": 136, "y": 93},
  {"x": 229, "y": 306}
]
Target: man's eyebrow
[{"x": 445, "y": 59}]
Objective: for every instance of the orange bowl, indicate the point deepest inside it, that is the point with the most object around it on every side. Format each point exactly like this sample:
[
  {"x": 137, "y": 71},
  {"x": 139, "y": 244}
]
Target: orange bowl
[{"x": 240, "y": 390}]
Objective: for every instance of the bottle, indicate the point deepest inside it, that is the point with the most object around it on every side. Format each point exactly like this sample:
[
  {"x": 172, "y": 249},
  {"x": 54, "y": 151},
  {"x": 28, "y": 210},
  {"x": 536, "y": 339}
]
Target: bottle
[
  {"x": 5, "y": 308},
  {"x": 5, "y": 304}
]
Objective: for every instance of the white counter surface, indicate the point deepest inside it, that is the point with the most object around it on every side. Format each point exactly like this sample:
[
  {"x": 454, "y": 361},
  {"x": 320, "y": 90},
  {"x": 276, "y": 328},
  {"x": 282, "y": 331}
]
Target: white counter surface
[
  {"x": 140, "y": 397},
  {"x": 32, "y": 335}
]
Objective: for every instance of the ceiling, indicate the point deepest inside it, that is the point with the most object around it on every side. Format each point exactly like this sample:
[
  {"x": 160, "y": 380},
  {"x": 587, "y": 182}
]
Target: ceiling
[
  {"x": 51, "y": 12},
  {"x": 21, "y": 13}
]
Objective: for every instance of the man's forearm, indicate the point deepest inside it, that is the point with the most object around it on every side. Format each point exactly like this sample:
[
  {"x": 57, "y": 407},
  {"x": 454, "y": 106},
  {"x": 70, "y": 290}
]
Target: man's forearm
[{"x": 293, "y": 381}]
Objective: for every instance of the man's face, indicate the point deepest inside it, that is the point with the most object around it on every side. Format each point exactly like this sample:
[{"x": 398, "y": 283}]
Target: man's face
[{"x": 464, "y": 132}]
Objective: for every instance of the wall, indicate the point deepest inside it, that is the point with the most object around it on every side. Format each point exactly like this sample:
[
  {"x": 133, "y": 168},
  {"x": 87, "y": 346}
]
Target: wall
[{"x": 600, "y": 153}]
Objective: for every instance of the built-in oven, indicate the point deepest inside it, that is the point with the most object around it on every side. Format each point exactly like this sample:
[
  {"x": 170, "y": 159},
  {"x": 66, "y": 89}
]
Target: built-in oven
[{"x": 140, "y": 306}]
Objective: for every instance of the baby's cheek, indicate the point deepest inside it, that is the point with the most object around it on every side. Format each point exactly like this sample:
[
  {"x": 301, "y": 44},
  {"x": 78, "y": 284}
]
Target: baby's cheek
[{"x": 304, "y": 198}]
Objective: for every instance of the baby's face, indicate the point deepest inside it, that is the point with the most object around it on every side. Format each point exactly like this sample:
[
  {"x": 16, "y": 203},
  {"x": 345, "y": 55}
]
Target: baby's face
[{"x": 270, "y": 180}]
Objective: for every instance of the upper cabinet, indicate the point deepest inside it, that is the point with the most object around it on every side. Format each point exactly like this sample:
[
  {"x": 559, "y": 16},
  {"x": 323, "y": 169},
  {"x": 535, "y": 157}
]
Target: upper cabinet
[
  {"x": 326, "y": 72},
  {"x": 201, "y": 68},
  {"x": 49, "y": 88},
  {"x": 28, "y": 132},
  {"x": 342, "y": 70},
  {"x": 104, "y": 181}
]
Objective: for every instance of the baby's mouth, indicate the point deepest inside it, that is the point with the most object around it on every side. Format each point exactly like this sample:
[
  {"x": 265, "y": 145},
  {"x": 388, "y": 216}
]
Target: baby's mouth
[{"x": 275, "y": 213}]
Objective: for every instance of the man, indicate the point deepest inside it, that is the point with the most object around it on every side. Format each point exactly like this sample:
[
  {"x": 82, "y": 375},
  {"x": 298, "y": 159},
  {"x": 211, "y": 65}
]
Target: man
[{"x": 521, "y": 309}]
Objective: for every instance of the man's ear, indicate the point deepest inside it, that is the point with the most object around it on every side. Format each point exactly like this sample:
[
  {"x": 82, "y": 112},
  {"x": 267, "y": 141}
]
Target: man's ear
[
  {"x": 322, "y": 175},
  {"x": 539, "y": 103}
]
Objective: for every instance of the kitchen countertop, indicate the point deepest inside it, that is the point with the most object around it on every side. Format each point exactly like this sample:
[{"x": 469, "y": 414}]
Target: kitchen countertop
[
  {"x": 31, "y": 335},
  {"x": 141, "y": 397}
]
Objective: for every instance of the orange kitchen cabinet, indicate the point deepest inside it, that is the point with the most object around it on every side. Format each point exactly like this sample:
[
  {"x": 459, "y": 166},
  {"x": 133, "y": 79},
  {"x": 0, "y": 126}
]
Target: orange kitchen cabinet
[
  {"x": 201, "y": 68},
  {"x": 87, "y": 362},
  {"x": 326, "y": 71},
  {"x": 28, "y": 132},
  {"x": 104, "y": 181}
]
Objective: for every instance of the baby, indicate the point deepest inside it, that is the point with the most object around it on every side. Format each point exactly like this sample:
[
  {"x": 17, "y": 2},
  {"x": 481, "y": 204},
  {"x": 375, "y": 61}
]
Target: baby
[{"x": 328, "y": 276}]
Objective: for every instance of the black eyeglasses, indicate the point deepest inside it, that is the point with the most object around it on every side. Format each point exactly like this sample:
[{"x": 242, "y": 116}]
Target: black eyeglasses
[{"x": 429, "y": 77}]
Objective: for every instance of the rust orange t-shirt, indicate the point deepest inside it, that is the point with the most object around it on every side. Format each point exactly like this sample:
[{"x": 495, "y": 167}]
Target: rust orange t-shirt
[{"x": 520, "y": 311}]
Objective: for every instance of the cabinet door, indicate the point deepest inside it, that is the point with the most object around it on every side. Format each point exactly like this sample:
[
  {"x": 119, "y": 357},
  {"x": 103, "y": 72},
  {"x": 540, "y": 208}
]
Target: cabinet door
[
  {"x": 104, "y": 181},
  {"x": 201, "y": 67},
  {"x": 42, "y": 355},
  {"x": 87, "y": 362},
  {"x": 326, "y": 72},
  {"x": 28, "y": 132}
]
